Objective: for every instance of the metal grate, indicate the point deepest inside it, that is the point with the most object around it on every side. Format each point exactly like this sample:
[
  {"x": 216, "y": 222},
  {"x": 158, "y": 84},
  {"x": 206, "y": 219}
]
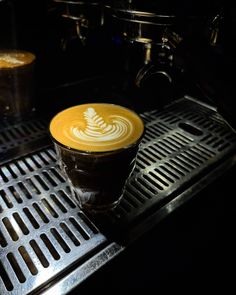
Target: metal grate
[
  {"x": 43, "y": 234},
  {"x": 181, "y": 142},
  {"x": 15, "y": 134}
]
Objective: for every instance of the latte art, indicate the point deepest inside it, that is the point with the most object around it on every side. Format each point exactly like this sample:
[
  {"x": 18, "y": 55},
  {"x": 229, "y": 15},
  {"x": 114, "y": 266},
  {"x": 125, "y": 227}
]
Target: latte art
[
  {"x": 97, "y": 130},
  {"x": 97, "y": 127}
]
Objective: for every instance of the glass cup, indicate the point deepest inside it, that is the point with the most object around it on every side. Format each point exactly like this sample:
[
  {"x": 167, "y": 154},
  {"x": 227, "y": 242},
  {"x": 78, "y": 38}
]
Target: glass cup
[
  {"x": 97, "y": 175},
  {"x": 16, "y": 83}
]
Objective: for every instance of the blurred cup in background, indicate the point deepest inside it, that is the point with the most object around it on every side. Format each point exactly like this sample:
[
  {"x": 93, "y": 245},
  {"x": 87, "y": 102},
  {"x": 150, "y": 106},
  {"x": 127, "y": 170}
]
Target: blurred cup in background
[{"x": 16, "y": 83}]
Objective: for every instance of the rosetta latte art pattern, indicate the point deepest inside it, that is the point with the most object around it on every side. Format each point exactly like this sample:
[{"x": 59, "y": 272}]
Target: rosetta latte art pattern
[
  {"x": 99, "y": 130},
  {"x": 97, "y": 127}
]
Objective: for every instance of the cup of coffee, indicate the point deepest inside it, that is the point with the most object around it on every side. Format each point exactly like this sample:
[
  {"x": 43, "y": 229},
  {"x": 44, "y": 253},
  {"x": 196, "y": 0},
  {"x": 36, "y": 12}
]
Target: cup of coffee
[
  {"x": 97, "y": 144},
  {"x": 16, "y": 83}
]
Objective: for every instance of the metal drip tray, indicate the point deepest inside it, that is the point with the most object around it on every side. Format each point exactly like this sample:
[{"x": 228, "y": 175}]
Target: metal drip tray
[
  {"x": 21, "y": 137},
  {"x": 181, "y": 144},
  {"x": 48, "y": 245}
]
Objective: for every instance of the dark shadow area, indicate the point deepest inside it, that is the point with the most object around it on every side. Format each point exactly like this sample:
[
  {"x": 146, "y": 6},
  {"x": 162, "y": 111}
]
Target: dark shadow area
[{"x": 190, "y": 251}]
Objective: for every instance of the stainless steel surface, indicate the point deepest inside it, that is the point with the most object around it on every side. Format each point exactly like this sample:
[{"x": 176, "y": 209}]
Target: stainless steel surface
[
  {"x": 180, "y": 145},
  {"x": 144, "y": 27},
  {"x": 13, "y": 134},
  {"x": 42, "y": 232},
  {"x": 141, "y": 16},
  {"x": 48, "y": 246},
  {"x": 85, "y": 14},
  {"x": 149, "y": 70}
]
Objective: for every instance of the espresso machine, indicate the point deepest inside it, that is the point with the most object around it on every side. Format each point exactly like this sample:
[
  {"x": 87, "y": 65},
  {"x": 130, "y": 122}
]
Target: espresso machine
[{"x": 170, "y": 62}]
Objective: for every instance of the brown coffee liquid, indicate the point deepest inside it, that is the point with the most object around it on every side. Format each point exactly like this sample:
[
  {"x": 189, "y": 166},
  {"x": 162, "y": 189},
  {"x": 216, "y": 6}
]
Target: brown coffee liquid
[
  {"x": 13, "y": 59},
  {"x": 97, "y": 127}
]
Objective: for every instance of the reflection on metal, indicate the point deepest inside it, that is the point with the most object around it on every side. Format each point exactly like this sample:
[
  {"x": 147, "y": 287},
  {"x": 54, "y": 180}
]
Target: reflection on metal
[
  {"x": 149, "y": 70},
  {"x": 15, "y": 136},
  {"x": 78, "y": 31},
  {"x": 156, "y": 33},
  {"x": 141, "y": 26},
  {"x": 172, "y": 38},
  {"x": 42, "y": 232},
  {"x": 84, "y": 16},
  {"x": 181, "y": 142},
  {"x": 215, "y": 29},
  {"x": 48, "y": 245},
  {"x": 141, "y": 16}
]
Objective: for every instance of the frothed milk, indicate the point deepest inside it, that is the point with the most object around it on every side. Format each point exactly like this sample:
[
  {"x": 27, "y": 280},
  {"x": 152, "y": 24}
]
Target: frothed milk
[
  {"x": 96, "y": 127},
  {"x": 97, "y": 146},
  {"x": 13, "y": 59}
]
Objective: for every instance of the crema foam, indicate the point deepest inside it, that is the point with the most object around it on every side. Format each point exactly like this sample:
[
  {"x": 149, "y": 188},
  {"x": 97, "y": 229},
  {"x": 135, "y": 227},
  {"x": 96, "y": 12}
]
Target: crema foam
[
  {"x": 97, "y": 127},
  {"x": 13, "y": 59}
]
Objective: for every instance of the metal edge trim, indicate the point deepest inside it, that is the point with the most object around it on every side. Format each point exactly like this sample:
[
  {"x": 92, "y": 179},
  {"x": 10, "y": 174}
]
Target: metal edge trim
[{"x": 80, "y": 274}]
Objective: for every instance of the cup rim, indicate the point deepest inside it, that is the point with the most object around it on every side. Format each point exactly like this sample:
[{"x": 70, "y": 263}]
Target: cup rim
[
  {"x": 137, "y": 142},
  {"x": 99, "y": 152},
  {"x": 9, "y": 51}
]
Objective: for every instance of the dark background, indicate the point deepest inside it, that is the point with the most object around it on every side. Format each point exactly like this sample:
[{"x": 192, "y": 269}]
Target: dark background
[
  {"x": 37, "y": 26},
  {"x": 192, "y": 251}
]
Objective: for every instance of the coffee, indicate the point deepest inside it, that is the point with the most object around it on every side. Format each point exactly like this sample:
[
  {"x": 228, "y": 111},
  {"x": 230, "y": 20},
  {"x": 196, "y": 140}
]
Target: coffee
[
  {"x": 96, "y": 127},
  {"x": 13, "y": 59},
  {"x": 97, "y": 145},
  {"x": 16, "y": 83}
]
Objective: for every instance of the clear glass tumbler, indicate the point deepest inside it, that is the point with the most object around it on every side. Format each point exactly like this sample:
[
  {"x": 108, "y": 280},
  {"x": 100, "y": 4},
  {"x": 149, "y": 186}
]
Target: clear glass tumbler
[{"x": 97, "y": 178}]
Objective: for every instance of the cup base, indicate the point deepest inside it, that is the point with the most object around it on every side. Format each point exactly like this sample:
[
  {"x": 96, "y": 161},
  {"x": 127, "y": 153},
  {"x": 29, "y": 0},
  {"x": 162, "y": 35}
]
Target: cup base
[
  {"x": 99, "y": 209},
  {"x": 92, "y": 208}
]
